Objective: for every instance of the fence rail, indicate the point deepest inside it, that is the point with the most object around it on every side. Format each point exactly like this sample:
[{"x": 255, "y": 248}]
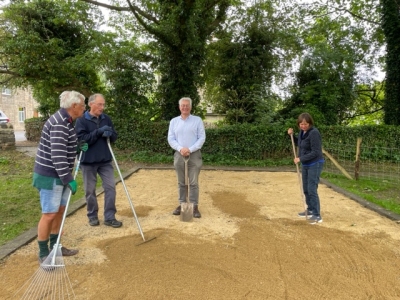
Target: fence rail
[{"x": 375, "y": 163}]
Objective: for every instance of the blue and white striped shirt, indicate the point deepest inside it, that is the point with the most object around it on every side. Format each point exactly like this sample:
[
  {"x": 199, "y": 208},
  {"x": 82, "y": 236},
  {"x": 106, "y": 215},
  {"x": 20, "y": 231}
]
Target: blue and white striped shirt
[{"x": 56, "y": 153}]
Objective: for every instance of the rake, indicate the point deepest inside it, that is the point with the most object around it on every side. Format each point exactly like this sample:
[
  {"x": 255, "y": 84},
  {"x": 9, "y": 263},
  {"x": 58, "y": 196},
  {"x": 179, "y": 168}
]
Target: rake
[
  {"x": 303, "y": 197},
  {"x": 51, "y": 280},
  {"x": 128, "y": 196}
]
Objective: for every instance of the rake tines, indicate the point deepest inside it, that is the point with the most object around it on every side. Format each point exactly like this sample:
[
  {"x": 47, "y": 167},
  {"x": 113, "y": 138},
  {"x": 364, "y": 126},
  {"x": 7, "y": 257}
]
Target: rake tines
[{"x": 50, "y": 281}]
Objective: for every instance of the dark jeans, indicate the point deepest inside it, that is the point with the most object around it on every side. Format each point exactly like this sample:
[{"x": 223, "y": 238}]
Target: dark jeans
[
  {"x": 310, "y": 176},
  {"x": 106, "y": 173}
]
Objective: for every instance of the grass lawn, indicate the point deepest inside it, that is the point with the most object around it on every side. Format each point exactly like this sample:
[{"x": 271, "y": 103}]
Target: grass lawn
[
  {"x": 381, "y": 192},
  {"x": 19, "y": 200}
]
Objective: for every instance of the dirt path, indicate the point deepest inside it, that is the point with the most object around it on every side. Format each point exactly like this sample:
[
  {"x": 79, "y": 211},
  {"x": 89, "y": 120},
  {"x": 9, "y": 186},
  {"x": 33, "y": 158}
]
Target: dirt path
[{"x": 249, "y": 244}]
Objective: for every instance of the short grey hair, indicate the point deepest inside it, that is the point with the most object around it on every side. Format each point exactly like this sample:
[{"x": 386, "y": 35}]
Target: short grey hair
[
  {"x": 94, "y": 96},
  {"x": 67, "y": 98},
  {"x": 185, "y": 99}
]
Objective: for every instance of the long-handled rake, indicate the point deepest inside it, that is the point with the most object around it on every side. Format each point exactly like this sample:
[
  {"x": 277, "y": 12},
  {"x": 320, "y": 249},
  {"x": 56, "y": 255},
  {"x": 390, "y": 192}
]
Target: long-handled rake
[
  {"x": 303, "y": 197},
  {"x": 51, "y": 280},
  {"x": 128, "y": 196}
]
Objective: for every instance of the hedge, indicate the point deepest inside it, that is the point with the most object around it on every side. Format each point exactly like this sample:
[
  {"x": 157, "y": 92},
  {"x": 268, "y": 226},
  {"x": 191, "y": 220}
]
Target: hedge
[{"x": 249, "y": 141}]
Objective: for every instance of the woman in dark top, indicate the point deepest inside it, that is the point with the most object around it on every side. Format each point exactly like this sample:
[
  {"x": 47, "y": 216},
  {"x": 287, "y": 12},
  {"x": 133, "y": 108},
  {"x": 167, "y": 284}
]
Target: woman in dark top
[{"x": 310, "y": 156}]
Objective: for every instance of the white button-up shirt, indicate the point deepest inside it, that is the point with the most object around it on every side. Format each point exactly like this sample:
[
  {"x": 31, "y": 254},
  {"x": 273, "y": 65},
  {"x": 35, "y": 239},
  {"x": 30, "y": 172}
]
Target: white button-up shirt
[{"x": 186, "y": 133}]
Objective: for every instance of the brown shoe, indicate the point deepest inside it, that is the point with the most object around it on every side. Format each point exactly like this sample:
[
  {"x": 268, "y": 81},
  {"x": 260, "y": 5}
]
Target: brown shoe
[
  {"x": 177, "y": 211},
  {"x": 196, "y": 212},
  {"x": 68, "y": 252}
]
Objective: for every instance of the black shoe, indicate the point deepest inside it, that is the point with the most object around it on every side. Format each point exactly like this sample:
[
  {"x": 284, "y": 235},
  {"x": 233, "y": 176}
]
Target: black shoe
[
  {"x": 196, "y": 212},
  {"x": 113, "y": 223},
  {"x": 94, "y": 221},
  {"x": 302, "y": 214},
  {"x": 177, "y": 211},
  {"x": 68, "y": 252}
]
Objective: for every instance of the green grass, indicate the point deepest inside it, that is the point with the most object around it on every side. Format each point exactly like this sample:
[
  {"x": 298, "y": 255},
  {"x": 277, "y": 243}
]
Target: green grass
[
  {"x": 381, "y": 192},
  {"x": 20, "y": 206},
  {"x": 19, "y": 201}
]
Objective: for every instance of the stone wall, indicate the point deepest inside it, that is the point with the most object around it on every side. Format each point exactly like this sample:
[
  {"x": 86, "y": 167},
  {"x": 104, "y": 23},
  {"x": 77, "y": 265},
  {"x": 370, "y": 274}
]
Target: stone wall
[
  {"x": 19, "y": 99},
  {"x": 7, "y": 137}
]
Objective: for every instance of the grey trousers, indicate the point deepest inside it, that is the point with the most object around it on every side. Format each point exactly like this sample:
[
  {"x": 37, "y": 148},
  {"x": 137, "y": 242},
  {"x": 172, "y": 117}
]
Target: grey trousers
[
  {"x": 194, "y": 165},
  {"x": 106, "y": 173}
]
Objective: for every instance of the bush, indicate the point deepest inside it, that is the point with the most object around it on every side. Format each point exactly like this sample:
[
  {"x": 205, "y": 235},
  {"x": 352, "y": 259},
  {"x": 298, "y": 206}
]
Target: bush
[
  {"x": 247, "y": 141},
  {"x": 33, "y": 129}
]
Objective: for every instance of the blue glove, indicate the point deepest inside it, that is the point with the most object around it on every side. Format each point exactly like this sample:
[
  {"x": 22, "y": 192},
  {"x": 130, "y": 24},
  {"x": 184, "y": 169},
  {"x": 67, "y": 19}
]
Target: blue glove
[
  {"x": 73, "y": 186},
  {"x": 101, "y": 130},
  {"x": 107, "y": 133}
]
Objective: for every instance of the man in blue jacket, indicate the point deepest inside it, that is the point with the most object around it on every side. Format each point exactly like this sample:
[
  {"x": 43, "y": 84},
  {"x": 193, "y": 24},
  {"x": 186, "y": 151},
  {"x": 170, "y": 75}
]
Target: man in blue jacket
[{"x": 95, "y": 127}]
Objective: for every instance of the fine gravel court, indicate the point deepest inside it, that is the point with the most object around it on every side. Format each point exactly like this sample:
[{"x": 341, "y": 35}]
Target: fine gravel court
[{"x": 249, "y": 244}]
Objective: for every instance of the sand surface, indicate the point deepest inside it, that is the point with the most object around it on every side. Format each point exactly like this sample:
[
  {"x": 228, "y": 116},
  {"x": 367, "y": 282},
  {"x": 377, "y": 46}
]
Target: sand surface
[{"x": 249, "y": 244}]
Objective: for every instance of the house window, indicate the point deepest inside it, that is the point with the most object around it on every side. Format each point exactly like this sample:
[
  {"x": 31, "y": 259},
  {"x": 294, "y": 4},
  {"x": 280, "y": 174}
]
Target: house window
[
  {"x": 6, "y": 91},
  {"x": 21, "y": 114}
]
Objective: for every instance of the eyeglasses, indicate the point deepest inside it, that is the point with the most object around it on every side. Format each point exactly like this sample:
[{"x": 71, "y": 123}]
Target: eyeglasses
[
  {"x": 99, "y": 104},
  {"x": 184, "y": 105}
]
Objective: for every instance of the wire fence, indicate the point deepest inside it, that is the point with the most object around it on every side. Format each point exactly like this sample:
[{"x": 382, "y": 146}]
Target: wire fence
[{"x": 375, "y": 163}]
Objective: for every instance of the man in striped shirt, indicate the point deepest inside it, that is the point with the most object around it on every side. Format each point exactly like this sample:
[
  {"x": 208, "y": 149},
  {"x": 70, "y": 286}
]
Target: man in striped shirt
[{"x": 52, "y": 175}]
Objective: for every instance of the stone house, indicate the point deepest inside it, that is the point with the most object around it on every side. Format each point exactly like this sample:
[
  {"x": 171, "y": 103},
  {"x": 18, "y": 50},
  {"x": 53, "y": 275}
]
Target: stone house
[{"x": 18, "y": 104}]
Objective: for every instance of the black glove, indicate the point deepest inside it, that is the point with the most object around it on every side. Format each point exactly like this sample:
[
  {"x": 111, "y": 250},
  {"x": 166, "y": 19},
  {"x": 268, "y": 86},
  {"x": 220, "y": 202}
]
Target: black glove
[
  {"x": 101, "y": 130},
  {"x": 107, "y": 134}
]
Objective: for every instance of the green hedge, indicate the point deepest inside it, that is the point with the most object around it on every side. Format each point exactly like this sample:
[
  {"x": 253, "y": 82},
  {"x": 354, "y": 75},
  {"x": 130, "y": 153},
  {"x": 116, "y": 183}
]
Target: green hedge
[
  {"x": 144, "y": 136},
  {"x": 379, "y": 135},
  {"x": 33, "y": 129},
  {"x": 248, "y": 141},
  {"x": 245, "y": 141},
  {"x": 258, "y": 142},
  {"x": 380, "y": 142}
]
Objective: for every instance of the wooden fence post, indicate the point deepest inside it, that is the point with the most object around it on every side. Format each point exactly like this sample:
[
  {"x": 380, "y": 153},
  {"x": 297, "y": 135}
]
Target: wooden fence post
[{"x": 357, "y": 162}]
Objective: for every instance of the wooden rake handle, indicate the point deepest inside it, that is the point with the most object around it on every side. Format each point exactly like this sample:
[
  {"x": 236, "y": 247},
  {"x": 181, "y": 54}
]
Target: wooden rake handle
[
  {"x": 299, "y": 177},
  {"x": 186, "y": 160}
]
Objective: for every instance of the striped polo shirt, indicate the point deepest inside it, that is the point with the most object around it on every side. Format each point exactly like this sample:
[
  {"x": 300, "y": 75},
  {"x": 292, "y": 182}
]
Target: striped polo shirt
[{"x": 56, "y": 152}]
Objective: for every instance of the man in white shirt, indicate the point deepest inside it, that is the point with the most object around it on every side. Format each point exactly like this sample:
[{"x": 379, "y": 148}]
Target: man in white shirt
[{"x": 186, "y": 135}]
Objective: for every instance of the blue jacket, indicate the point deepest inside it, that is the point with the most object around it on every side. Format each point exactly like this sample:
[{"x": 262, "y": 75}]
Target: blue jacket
[
  {"x": 86, "y": 128},
  {"x": 310, "y": 146}
]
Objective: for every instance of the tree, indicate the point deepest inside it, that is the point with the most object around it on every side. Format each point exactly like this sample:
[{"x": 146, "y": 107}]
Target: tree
[
  {"x": 240, "y": 73},
  {"x": 241, "y": 66},
  {"x": 181, "y": 29},
  {"x": 130, "y": 83},
  {"x": 368, "y": 106},
  {"x": 321, "y": 89},
  {"x": 391, "y": 28},
  {"x": 51, "y": 46},
  {"x": 347, "y": 24},
  {"x": 340, "y": 52}
]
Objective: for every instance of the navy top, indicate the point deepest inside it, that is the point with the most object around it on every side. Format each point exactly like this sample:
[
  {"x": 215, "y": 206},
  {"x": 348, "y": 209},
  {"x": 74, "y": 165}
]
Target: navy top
[
  {"x": 310, "y": 147},
  {"x": 87, "y": 130}
]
